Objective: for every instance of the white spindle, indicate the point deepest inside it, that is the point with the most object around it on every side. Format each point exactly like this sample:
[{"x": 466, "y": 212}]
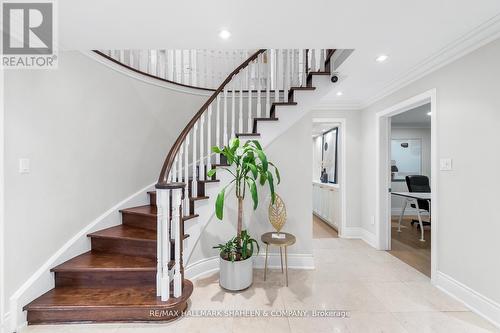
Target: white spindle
[
  {"x": 286, "y": 75},
  {"x": 176, "y": 227},
  {"x": 224, "y": 126},
  {"x": 174, "y": 65},
  {"x": 322, "y": 59},
  {"x": 240, "y": 113},
  {"x": 202, "y": 148},
  {"x": 163, "y": 243},
  {"x": 217, "y": 128},
  {"x": 313, "y": 59},
  {"x": 209, "y": 137},
  {"x": 190, "y": 67},
  {"x": 233, "y": 108},
  {"x": 276, "y": 76},
  {"x": 194, "y": 184},
  {"x": 183, "y": 68},
  {"x": 303, "y": 67},
  {"x": 249, "y": 96},
  {"x": 268, "y": 83},
  {"x": 174, "y": 170},
  {"x": 259, "y": 103},
  {"x": 186, "y": 176},
  {"x": 180, "y": 160}
]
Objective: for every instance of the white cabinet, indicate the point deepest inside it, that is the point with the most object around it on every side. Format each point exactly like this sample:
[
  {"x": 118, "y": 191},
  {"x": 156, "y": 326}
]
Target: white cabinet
[{"x": 326, "y": 203}]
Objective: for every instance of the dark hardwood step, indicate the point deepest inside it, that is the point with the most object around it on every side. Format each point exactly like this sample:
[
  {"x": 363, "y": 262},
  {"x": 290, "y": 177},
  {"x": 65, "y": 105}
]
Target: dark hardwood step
[
  {"x": 311, "y": 74},
  {"x": 242, "y": 135},
  {"x": 272, "y": 113},
  {"x": 255, "y": 120},
  {"x": 124, "y": 239},
  {"x": 293, "y": 89},
  {"x": 101, "y": 269},
  {"x": 192, "y": 203},
  {"x": 140, "y": 217},
  {"x": 201, "y": 189},
  {"x": 189, "y": 217},
  {"x": 68, "y": 304}
]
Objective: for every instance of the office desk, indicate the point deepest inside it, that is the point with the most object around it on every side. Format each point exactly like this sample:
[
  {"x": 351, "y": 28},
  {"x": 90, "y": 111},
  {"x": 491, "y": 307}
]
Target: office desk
[{"x": 413, "y": 197}]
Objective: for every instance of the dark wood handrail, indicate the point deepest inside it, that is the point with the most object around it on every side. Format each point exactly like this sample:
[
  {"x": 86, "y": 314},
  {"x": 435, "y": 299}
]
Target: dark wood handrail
[
  {"x": 147, "y": 74},
  {"x": 167, "y": 165}
]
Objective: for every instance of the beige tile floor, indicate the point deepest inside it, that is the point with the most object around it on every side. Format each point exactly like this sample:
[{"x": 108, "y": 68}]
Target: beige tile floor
[{"x": 380, "y": 292}]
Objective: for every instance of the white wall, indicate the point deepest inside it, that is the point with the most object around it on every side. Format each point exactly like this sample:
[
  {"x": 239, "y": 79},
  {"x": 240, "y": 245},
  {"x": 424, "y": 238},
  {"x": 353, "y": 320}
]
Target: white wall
[
  {"x": 94, "y": 137},
  {"x": 468, "y": 122},
  {"x": 295, "y": 189},
  {"x": 424, "y": 134}
]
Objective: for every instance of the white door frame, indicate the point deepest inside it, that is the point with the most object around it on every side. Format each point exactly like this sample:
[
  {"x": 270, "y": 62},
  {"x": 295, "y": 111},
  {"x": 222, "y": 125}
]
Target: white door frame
[
  {"x": 382, "y": 178},
  {"x": 3, "y": 321},
  {"x": 343, "y": 170}
]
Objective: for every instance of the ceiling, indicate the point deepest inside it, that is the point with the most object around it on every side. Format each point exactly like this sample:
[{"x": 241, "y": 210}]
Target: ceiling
[
  {"x": 416, "y": 35},
  {"x": 416, "y": 117},
  {"x": 319, "y": 128}
]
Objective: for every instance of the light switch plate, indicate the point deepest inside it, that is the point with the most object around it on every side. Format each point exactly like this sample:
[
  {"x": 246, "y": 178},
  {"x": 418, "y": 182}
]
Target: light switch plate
[
  {"x": 24, "y": 165},
  {"x": 445, "y": 164}
]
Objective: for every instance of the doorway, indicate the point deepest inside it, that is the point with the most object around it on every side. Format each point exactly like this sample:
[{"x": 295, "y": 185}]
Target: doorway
[
  {"x": 328, "y": 174},
  {"x": 406, "y": 182}
]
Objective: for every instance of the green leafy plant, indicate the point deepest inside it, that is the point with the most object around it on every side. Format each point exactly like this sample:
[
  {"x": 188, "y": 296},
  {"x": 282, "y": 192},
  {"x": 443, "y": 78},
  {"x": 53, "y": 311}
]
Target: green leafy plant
[
  {"x": 235, "y": 250},
  {"x": 248, "y": 164}
]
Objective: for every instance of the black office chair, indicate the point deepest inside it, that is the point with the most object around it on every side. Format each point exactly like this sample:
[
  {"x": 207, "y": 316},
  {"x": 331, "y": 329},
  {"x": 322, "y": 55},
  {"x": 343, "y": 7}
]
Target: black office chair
[{"x": 419, "y": 183}]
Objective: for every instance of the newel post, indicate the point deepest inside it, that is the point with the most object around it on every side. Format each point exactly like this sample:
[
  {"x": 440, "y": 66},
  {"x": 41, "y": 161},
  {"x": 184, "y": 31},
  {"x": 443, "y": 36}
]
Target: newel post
[
  {"x": 163, "y": 243},
  {"x": 176, "y": 231}
]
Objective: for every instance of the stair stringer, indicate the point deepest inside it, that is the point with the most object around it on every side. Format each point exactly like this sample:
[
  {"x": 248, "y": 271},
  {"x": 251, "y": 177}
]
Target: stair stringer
[{"x": 269, "y": 131}]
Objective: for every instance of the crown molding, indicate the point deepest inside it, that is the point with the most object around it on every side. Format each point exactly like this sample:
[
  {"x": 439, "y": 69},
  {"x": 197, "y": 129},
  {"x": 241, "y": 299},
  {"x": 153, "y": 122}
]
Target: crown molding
[{"x": 467, "y": 43}]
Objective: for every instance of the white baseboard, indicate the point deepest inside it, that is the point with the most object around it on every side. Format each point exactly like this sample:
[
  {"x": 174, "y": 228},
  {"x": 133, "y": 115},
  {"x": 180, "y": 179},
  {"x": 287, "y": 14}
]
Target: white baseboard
[
  {"x": 211, "y": 264},
  {"x": 476, "y": 302},
  {"x": 360, "y": 233},
  {"x": 43, "y": 280}
]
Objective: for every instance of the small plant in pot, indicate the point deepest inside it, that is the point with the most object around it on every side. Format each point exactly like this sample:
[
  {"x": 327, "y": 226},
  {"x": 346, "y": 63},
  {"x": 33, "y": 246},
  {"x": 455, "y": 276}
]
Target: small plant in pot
[{"x": 248, "y": 166}]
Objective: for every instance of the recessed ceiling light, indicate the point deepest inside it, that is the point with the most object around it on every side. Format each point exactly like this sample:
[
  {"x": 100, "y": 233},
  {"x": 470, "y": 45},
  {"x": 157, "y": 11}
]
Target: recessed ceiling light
[
  {"x": 382, "y": 58},
  {"x": 429, "y": 113},
  {"x": 224, "y": 34},
  {"x": 339, "y": 93}
]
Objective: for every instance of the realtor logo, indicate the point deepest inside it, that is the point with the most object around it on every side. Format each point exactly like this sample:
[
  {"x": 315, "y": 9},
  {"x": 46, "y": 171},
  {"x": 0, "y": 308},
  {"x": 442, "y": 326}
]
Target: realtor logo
[{"x": 28, "y": 35}]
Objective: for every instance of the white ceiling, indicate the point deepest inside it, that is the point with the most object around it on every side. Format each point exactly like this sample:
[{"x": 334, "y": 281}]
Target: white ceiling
[
  {"x": 410, "y": 32},
  {"x": 416, "y": 117},
  {"x": 319, "y": 128}
]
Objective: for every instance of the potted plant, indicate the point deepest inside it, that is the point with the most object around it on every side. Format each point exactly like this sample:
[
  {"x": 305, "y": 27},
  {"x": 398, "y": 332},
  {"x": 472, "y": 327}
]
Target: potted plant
[{"x": 248, "y": 165}]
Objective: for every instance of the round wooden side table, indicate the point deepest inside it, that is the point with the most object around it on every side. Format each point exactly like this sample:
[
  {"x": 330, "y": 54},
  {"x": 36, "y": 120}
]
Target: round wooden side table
[{"x": 288, "y": 240}]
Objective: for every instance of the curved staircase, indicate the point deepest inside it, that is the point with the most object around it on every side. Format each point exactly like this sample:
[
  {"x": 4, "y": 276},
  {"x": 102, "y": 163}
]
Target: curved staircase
[{"x": 135, "y": 271}]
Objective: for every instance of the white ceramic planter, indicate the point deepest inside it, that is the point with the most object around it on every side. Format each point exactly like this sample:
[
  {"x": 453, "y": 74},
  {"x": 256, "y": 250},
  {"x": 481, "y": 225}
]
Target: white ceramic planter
[{"x": 236, "y": 275}]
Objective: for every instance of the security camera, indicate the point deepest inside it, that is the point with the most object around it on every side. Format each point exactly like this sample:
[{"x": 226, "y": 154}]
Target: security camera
[{"x": 335, "y": 77}]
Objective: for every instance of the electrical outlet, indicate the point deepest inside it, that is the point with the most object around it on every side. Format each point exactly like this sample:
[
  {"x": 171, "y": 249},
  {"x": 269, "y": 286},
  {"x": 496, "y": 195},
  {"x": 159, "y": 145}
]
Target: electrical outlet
[
  {"x": 372, "y": 220},
  {"x": 445, "y": 164},
  {"x": 24, "y": 165}
]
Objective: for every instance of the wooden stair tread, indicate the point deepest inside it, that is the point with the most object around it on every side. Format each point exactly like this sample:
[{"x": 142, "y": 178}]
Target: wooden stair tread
[
  {"x": 146, "y": 210},
  {"x": 189, "y": 217},
  {"x": 319, "y": 73},
  {"x": 198, "y": 198},
  {"x": 283, "y": 103},
  {"x": 208, "y": 180},
  {"x": 125, "y": 232},
  {"x": 246, "y": 134},
  {"x": 303, "y": 88},
  {"x": 101, "y": 261},
  {"x": 70, "y": 297}
]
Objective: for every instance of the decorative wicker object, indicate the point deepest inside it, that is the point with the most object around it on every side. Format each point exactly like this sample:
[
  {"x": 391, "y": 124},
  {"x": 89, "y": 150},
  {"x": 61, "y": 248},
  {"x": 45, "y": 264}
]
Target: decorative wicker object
[{"x": 277, "y": 213}]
